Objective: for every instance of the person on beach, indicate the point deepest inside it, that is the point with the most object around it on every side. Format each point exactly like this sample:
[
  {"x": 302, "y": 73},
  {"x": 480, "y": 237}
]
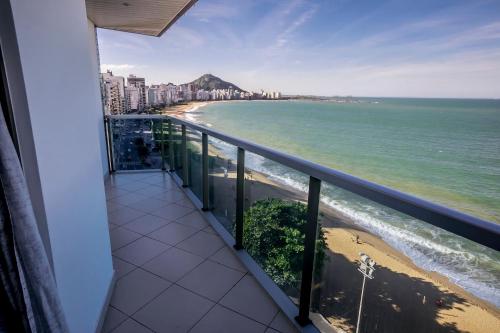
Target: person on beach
[{"x": 357, "y": 239}]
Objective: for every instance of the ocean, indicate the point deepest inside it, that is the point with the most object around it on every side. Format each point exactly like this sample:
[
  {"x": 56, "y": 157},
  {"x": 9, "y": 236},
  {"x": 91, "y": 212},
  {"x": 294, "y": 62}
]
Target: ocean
[{"x": 443, "y": 150}]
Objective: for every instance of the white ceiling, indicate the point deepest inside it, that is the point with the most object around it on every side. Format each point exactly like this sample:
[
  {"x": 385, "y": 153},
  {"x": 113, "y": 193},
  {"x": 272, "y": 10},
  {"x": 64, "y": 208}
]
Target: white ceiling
[{"x": 147, "y": 17}]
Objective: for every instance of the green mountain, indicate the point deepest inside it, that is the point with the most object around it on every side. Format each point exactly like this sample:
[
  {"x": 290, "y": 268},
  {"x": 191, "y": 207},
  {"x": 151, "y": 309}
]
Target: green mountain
[{"x": 209, "y": 82}]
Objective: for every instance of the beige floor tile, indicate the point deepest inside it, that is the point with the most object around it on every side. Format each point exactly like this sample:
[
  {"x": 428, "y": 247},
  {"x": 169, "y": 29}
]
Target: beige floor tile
[
  {"x": 113, "y": 206},
  {"x": 175, "y": 310},
  {"x": 270, "y": 330},
  {"x": 173, "y": 264},
  {"x": 222, "y": 320},
  {"x": 120, "y": 237},
  {"x": 133, "y": 186},
  {"x": 171, "y": 212},
  {"x": 226, "y": 257},
  {"x": 202, "y": 244},
  {"x": 124, "y": 215},
  {"x": 148, "y": 205},
  {"x": 136, "y": 289},
  {"x": 118, "y": 180},
  {"x": 141, "y": 251},
  {"x": 173, "y": 233},
  {"x": 194, "y": 219},
  {"x": 248, "y": 298},
  {"x": 210, "y": 230},
  {"x": 121, "y": 267},
  {"x": 146, "y": 224},
  {"x": 186, "y": 202},
  {"x": 114, "y": 192},
  {"x": 211, "y": 280},
  {"x": 172, "y": 195},
  {"x": 112, "y": 226},
  {"x": 113, "y": 319},
  {"x": 129, "y": 199},
  {"x": 131, "y": 326},
  {"x": 151, "y": 191}
]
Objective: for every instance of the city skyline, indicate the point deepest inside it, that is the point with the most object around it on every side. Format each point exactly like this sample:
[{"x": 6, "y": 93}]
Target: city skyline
[
  {"x": 394, "y": 49},
  {"x": 133, "y": 94}
]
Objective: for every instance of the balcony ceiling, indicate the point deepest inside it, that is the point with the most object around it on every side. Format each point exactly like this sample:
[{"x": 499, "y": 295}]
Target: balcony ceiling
[{"x": 147, "y": 17}]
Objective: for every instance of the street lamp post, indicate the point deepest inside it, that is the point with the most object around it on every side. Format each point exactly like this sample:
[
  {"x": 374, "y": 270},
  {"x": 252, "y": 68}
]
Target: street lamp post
[{"x": 366, "y": 267}]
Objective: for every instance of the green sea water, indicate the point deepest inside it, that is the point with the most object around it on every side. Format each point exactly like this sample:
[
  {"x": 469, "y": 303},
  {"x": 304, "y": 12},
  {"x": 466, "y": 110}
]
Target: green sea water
[{"x": 443, "y": 150}]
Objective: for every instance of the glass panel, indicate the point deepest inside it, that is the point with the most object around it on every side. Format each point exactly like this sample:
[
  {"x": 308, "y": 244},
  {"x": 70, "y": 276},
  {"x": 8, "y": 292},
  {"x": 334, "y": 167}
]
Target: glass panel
[
  {"x": 160, "y": 132},
  {"x": 274, "y": 221},
  {"x": 424, "y": 279},
  {"x": 136, "y": 144},
  {"x": 195, "y": 162},
  {"x": 222, "y": 162},
  {"x": 177, "y": 143}
]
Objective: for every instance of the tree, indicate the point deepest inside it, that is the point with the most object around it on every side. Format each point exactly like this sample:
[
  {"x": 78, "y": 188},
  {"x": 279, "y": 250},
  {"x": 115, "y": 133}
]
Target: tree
[{"x": 274, "y": 235}]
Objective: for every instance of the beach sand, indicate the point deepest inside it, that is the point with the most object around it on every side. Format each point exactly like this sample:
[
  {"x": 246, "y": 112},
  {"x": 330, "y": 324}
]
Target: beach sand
[
  {"x": 401, "y": 298},
  {"x": 181, "y": 110}
]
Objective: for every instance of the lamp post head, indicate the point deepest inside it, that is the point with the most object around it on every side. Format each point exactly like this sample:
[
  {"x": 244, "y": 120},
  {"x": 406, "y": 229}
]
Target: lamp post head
[{"x": 366, "y": 265}]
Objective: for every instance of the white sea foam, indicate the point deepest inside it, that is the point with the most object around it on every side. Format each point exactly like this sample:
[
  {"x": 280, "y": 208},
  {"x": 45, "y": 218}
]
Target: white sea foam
[{"x": 436, "y": 251}]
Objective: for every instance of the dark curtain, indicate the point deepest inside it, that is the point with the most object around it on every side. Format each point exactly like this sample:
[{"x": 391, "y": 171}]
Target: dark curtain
[{"x": 29, "y": 300}]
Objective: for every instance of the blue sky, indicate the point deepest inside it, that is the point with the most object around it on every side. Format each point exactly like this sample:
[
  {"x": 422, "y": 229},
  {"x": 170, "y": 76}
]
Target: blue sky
[{"x": 326, "y": 47}]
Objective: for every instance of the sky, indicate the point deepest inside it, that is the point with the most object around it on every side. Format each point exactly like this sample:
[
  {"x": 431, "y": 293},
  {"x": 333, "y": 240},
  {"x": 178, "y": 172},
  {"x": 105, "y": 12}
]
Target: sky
[{"x": 400, "y": 48}]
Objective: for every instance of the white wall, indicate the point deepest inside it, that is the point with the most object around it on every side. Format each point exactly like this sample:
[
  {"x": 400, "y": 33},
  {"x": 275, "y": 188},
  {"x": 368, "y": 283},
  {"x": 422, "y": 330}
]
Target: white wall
[
  {"x": 96, "y": 70},
  {"x": 59, "y": 68}
]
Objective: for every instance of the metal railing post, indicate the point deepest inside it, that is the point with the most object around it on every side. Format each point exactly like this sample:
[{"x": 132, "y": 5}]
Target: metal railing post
[
  {"x": 109, "y": 141},
  {"x": 311, "y": 232},
  {"x": 162, "y": 145},
  {"x": 190, "y": 166},
  {"x": 204, "y": 170},
  {"x": 171, "y": 146},
  {"x": 185, "y": 181},
  {"x": 240, "y": 198}
]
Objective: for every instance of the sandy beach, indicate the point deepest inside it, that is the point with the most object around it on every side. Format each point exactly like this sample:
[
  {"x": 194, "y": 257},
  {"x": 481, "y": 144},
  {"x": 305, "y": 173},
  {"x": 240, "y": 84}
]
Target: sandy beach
[
  {"x": 181, "y": 110},
  {"x": 401, "y": 298}
]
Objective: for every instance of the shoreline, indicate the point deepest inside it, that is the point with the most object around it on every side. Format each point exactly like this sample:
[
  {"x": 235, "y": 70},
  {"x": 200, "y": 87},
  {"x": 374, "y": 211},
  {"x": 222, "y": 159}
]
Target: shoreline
[
  {"x": 181, "y": 109},
  {"x": 461, "y": 311}
]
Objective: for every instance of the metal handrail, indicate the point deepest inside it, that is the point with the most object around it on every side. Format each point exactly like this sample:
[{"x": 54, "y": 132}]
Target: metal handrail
[{"x": 470, "y": 227}]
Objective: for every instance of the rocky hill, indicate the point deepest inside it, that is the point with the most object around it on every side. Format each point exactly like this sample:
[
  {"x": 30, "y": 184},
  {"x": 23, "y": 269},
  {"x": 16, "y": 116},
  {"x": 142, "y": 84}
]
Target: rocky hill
[{"x": 209, "y": 82}]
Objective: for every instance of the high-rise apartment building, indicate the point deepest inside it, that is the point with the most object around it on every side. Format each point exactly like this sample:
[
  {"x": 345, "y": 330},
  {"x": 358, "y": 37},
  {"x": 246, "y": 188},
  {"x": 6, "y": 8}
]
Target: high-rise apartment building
[
  {"x": 140, "y": 84},
  {"x": 113, "y": 92},
  {"x": 132, "y": 100},
  {"x": 154, "y": 95}
]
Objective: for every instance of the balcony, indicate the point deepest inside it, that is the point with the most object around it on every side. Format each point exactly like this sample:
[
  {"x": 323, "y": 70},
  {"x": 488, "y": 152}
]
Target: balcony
[
  {"x": 174, "y": 274},
  {"x": 203, "y": 184},
  {"x": 186, "y": 205}
]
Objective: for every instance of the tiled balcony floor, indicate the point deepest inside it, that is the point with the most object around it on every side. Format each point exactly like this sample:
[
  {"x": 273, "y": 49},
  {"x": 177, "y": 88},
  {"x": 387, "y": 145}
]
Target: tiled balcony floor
[{"x": 174, "y": 273}]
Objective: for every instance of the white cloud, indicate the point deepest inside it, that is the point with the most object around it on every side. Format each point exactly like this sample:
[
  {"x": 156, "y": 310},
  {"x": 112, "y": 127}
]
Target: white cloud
[
  {"x": 465, "y": 75},
  {"x": 207, "y": 11},
  {"x": 111, "y": 67},
  {"x": 303, "y": 18},
  {"x": 180, "y": 37}
]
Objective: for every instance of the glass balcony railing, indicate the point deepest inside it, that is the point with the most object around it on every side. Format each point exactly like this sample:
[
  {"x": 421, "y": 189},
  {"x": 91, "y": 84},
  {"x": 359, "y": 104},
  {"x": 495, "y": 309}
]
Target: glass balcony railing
[
  {"x": 194, "y": 162},
  {"x": 222, "y": 162},
  {"x": 417, "y": 273},
  {"x": 135, "y": 143},
  {"x": 336, "y": 253}
]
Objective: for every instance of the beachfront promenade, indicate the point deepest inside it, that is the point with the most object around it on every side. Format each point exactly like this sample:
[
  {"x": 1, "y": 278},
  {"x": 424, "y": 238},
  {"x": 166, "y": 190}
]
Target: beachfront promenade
[{"x": 401, "y": 297}]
